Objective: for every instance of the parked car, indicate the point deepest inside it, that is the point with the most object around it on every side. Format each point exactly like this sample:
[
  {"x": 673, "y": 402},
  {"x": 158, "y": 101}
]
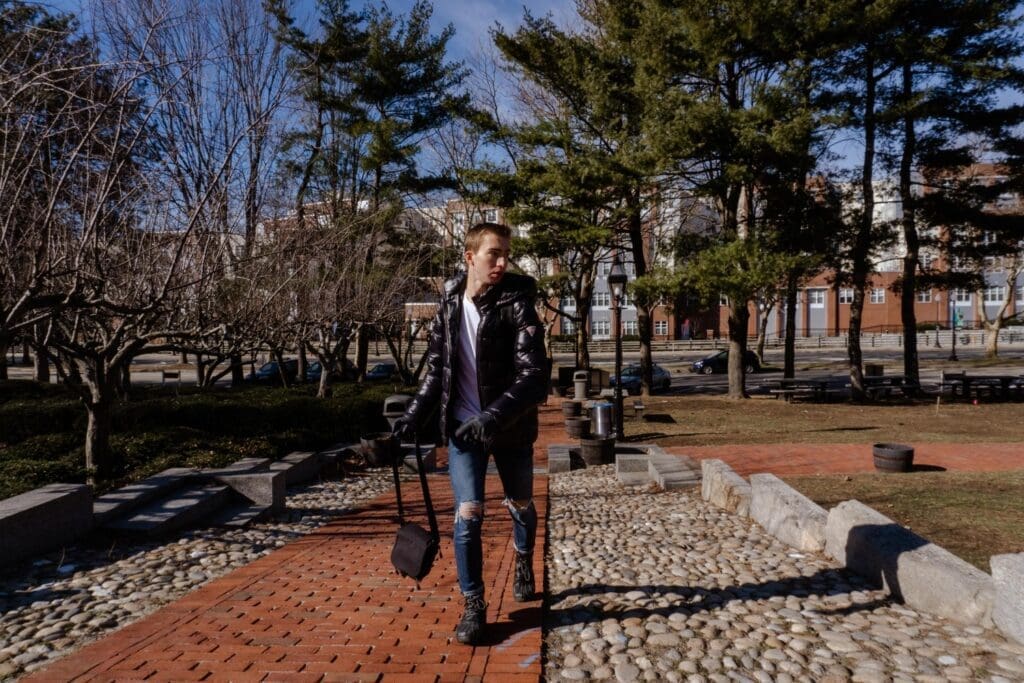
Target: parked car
[
  {"x": 632, "y": 382},
  {"x": 719, "y": 362},
  {"x": 385, "y": 370},
  {"x": 269, "y": 374}
]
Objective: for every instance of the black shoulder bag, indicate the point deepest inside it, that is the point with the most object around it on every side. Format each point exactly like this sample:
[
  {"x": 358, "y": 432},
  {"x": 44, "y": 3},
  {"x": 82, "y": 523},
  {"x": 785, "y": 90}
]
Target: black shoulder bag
[{"x": 415, "y": 548}]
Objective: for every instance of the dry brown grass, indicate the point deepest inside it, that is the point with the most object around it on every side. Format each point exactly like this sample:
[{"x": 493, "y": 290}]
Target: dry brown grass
[
  {"x": 709, "y": 421},
  {"x": 972, "y": 514}
]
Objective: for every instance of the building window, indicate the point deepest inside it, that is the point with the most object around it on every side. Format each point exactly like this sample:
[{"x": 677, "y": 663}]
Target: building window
[
  {"x": 629, "y": 327},
  {"x": 961, "y": 297},
  {"x": 491, "y": 215},
  {"x": 603, "y": 268},
  {"x": 927, "y": 260},
  {"x": 878, "y": 295},
  {"x": 661, "y": 327},
  {"x": 924, "y": 297},
  {"x": 602, "y": 299},
  {"x": 600, "y": 328},
  {"x": 568, "y": 327},
  {"x": 723, "y": 300},
  {"x": 846, "y": 295},
  {"x": 816, "y": 298},
  {"x": 1020, "y": 295},
  {"x": 995, "y": 295},
  {"x": 567, "y": 302},
  {"x": 993, "y": 264}
]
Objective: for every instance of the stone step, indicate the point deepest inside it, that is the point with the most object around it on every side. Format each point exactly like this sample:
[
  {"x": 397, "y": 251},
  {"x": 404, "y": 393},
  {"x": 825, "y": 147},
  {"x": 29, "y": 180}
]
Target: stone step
[
  {"x": 674, "y": 471},
  {"x": 243, "y": 466},
  {"x": 127, "y": 498},
  {"x": 240, "y": 515},
  {"x": 184, "y": 508},
  {"x": 299, "y": 467}
]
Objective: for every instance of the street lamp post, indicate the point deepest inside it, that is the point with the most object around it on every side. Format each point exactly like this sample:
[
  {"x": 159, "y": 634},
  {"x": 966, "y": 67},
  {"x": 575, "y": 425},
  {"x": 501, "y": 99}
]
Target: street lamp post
[
  {"x": 952, "y": 325},
  {"x": 617, "y": 283}
]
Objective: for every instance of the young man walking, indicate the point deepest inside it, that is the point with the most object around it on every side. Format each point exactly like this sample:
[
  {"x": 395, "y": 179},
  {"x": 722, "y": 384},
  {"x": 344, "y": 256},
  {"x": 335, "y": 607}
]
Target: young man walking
[{"x": 486, "y": 372}]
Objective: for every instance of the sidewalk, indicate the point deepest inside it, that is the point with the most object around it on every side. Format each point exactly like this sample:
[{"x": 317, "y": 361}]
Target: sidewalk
[{"x": 329, "y": 607}]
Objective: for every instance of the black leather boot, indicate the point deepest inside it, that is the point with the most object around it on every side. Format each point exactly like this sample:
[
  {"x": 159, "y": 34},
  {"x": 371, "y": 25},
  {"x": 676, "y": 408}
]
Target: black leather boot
[
  {"x": 471, "y": 626},
  {"x": 522, "y": 585}
]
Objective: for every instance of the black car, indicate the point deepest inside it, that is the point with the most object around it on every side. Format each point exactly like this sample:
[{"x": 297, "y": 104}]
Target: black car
[
  {"x": 268, "y": 372},
  {"x": 385, "y": 370},
  {"x": 632, "y": 381},
  {"x": 719, "y": 362}
]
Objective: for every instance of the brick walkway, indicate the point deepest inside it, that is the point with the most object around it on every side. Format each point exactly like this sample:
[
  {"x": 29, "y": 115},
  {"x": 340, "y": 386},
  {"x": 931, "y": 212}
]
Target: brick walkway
[{"x": 328, "y": 607}]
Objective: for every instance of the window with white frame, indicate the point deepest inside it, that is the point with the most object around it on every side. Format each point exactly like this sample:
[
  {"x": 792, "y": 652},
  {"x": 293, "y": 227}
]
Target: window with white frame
[
  {"x": 961, "y": 297},
  {"x": 600, "y": 328},
  {"x": 994, "y": 295},
  {"x": 816, "y": 298},
  {"x": 924, "y": 297},
  {"x": 723, "y": 300},
  {"x": 629, "y": 327},
  {"x": 846, "y": 295},
  {"x": 459, "y": 220},
  {"x": 661, "y": 327},
  {"x": 1020, "y": 295},
  {"x": 567, "y": 302},
  {"x": 625, "y": 300},
  {"x": 926, "y": 259},
  {"x": 568, "y": 326},
  {"x": 993, "y": 264},
  {"x": 491, "y": 215},
  {"x": 877, "y": 295},
  {"x": 601, "y": 299},
  {"x": 604, "y": 267}
]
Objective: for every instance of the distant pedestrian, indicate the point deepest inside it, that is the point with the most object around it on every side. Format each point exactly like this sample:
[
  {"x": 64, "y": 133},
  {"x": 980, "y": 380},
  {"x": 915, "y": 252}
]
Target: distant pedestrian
[{"x": 486, "y": 371}]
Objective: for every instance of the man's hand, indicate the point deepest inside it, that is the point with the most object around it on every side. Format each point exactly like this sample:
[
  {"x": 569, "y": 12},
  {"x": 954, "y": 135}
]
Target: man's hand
[
  {"x": 478, "y": 429},
  {"x": 403, "y": 429}
]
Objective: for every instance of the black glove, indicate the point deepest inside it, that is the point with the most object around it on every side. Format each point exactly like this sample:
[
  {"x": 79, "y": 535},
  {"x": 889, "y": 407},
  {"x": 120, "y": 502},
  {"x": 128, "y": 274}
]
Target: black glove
[
  {"x": 403, "y": 429},
  {"x": 478, "y": 429}
]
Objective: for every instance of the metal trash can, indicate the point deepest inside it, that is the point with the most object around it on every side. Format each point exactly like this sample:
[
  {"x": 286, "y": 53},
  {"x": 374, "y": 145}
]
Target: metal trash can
[
  {"x": 394, "y": 407},
  {"x": 602, "y": 419},
  {"x": 580, "y": 379}
]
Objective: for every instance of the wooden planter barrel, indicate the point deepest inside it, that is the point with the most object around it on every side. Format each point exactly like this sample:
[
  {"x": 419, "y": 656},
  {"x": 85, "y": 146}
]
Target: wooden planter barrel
[
  {"x": 893, "y": 457},
  {"x": 572, "y": 408},
  {"x": 577, "y": 427},
  {"x": 597, "y": 451},
  {"x": 379, "y": 448}
]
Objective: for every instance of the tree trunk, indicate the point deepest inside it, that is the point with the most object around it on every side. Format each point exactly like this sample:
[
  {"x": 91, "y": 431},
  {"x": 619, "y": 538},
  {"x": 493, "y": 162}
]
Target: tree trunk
[
  {"x": 739, "y": 317},
  {"x": 303, "y": 363},
  {"x": 992, "y": 341},
  {"x": 237, "y": 371},
  {"x": 762, "y": 333},
  {"x": 362, "y": 351},
  {"x": 789, "y": 355},
  {"x": 862, "y": 240},
  {"x": 98, "y": 463},
  {"x": 908, "y": 293},
  {"x": 644, "y": 326},
  {"x": 42, "y": 358},
  {"x": 3, "y": 360}
]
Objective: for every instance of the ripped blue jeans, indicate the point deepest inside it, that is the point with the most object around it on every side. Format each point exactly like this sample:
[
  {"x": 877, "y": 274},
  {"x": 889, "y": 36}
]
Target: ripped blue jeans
[{"x": 467, "y": 467}]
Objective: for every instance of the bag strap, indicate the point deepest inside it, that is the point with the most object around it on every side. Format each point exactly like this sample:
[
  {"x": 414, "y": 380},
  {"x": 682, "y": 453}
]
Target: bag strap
[
  {"x": 426, "y": 491},
  {"x": 398, "y": 487}
]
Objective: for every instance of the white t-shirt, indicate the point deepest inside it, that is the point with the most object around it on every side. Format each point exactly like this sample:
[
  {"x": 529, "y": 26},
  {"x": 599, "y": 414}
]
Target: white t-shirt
[{"x": 467, "y": 391}]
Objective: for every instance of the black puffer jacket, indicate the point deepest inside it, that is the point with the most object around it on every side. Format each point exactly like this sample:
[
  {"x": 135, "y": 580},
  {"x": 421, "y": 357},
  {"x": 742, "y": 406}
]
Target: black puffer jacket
[{"x": 510, "y": 360}]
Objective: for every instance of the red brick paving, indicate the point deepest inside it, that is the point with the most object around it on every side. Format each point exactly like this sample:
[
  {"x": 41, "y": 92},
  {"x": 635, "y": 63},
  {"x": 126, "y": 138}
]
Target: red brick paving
[
  {"x": 328, "y": 607},
  {"x": 831, "y": 458}
]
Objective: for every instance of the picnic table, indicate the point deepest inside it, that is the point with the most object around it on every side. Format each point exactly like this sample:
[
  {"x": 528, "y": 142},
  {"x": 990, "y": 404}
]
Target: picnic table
[
  {"x": 789, "y": 388},
  {"x": 1003, "y": 387},
  {"x": 876, "y": 386}
]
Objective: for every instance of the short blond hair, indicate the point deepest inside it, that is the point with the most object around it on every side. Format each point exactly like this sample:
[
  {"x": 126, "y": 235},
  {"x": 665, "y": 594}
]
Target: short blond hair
[{"x": 475, "y": 235}]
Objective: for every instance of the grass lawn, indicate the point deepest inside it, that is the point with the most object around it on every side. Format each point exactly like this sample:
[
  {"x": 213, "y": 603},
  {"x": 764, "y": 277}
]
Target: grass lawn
[{"x": 972, "y": 514}]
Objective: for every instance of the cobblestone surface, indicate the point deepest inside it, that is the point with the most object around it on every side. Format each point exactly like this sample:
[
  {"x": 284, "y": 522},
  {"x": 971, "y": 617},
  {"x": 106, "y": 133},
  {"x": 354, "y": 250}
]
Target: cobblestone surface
[
  {"x": 664, "y": 586},
  {"x": 60, "y": 602}
]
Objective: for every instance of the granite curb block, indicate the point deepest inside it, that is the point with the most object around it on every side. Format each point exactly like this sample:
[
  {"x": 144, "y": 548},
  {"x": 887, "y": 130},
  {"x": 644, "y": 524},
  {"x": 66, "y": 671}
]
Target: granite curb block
[
  {"x": 1008, "y": 612},
  {"x": 914, "y": 570},
  {"x": 721, "y": 486},
  {"x": 44, "y": 519},
  {"x": 787, "y": 514}
]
